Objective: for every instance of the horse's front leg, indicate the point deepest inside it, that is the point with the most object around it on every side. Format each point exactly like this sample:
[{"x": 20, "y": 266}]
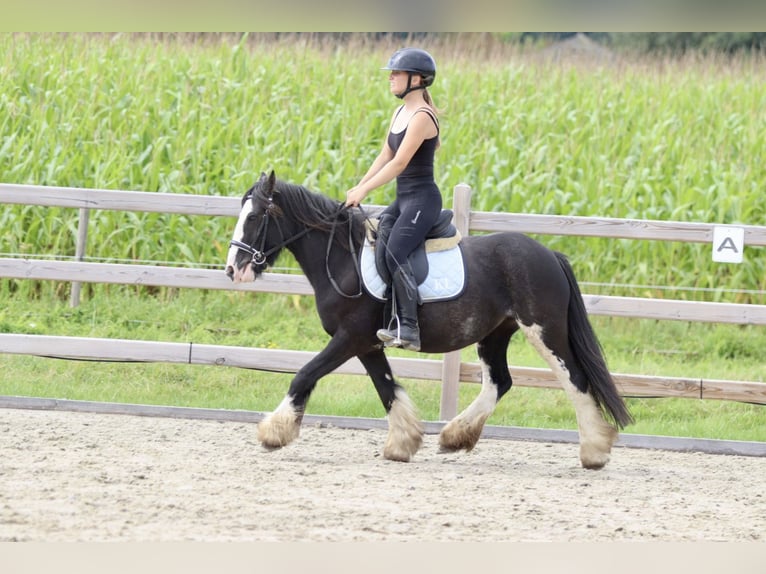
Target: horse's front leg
[
  {"x": 282, "y": 426},
  {"x": 405, "y": 430}
]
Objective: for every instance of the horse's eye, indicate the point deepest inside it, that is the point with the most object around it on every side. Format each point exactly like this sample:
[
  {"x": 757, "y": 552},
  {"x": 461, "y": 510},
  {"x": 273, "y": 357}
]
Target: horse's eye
[{"x": 252, "y": 216}]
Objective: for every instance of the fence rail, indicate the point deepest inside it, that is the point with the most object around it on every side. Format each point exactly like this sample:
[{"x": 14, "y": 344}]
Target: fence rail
[
  {"x": 755, "y": 235},
  {"x": 163, "y": 276},
  {"x": 614, "y": 228},
  {"x": 451, "y": 370},
  {"x": 289, "y": 361}
]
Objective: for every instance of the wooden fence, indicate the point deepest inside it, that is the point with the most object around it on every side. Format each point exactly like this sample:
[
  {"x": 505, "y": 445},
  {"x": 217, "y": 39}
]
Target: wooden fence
[{"x": 451, "y": 371}]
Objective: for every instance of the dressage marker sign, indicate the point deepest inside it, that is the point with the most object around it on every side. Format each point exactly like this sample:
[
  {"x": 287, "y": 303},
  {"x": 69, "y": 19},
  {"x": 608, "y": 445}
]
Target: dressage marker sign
[{"x": 728, "y": 244}]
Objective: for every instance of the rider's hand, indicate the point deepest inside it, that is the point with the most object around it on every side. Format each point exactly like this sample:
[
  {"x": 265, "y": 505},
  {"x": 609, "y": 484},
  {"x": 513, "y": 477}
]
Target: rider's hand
[{"x": 354, "y": 196}]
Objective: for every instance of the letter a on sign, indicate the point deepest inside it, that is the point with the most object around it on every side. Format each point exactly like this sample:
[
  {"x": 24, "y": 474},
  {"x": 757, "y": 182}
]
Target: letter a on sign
[{"x": 728, "y": 244}]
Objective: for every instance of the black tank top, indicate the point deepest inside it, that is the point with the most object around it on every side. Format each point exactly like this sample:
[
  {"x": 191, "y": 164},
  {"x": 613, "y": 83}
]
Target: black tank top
[{"x": 421, "y": 166}]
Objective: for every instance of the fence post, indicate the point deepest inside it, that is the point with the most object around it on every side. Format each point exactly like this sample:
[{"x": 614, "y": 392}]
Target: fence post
[
  {"x": 461, "y": 206},
  {"x": 79, "y": 255}
]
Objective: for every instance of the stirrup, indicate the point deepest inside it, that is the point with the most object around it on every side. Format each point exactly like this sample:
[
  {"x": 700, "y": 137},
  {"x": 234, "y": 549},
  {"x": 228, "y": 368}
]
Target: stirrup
[
  {"x": 387, "y": 336},
  {"x": 391, "y": 334},
  {"x": 391, "y": 338}
]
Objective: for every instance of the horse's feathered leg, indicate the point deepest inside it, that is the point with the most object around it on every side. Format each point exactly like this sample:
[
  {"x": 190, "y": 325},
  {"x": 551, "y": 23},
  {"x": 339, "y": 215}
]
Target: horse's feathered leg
[
  {"x": 405, "y": 430},
  {"x": 464, "y": 430},
  {"x": 282, "y": 426},
  {"x": 574, "y": 353},
  {"x": 596, "y": 435}
]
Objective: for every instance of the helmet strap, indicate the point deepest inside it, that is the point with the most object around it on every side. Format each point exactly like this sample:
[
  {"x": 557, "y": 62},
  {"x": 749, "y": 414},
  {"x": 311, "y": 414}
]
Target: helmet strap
[{"x": 410, "y": 87}]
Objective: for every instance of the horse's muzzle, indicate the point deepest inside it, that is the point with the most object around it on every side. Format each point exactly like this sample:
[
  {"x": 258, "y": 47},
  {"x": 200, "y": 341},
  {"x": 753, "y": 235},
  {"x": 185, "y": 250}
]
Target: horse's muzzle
[{"x": 244, "y": 274}]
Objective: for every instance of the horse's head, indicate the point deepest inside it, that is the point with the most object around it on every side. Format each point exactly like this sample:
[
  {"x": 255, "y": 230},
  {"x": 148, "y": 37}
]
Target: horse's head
[
  {"x": 275, "y": 215},
  {"x": 257, "y": 232}
]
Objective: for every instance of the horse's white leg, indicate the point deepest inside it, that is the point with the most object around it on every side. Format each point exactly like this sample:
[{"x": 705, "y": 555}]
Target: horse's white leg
[
  {"x": 596, "y": 435},
  {"x": 281, "y": 427},
  {"x": 464, "y": 430},
  {"x": 405, "y": 430}
]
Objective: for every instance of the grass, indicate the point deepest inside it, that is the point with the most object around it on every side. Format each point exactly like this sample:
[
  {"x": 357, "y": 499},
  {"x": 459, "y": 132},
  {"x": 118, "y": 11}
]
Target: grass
[{"x": 286, "y": 322}]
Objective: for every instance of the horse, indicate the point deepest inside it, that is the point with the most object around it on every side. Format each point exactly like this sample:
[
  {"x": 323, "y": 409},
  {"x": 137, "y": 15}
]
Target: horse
[{"x": 513, "y": 282}]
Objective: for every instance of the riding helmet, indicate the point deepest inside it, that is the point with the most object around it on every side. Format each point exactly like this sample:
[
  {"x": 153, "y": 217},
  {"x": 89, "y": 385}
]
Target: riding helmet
[{"x": 414, "y": 60}]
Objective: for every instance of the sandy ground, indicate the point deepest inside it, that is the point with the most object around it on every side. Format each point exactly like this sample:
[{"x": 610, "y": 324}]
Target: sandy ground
[{"x": 93, "y": 477}]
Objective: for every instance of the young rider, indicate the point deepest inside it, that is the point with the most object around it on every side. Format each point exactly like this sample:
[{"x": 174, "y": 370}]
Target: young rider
[{"x": 407, "y": 155}]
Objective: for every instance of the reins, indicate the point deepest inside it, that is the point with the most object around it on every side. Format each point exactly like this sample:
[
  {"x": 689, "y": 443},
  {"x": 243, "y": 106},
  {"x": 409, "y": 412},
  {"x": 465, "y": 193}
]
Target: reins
[
  {"x": 354, "y": 258},
  {"x": 259, "y": 256}
]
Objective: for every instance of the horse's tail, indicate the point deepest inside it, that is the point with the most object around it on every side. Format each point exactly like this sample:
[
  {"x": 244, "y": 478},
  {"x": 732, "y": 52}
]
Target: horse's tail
[{"x": 589, "y": 353}]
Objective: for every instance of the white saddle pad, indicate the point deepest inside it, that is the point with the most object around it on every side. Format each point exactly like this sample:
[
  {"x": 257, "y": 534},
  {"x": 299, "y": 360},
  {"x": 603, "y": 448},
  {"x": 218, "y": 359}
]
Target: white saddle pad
[{"x": 445, "y": 280}]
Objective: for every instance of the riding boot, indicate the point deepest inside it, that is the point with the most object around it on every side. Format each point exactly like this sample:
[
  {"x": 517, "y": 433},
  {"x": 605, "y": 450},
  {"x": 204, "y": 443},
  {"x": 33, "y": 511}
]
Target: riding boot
[{"x": 405, "y": 333}]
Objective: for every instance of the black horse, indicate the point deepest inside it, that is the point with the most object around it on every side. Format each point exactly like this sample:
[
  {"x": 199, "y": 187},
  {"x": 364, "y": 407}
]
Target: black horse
[{"x": 513, "y": 282}]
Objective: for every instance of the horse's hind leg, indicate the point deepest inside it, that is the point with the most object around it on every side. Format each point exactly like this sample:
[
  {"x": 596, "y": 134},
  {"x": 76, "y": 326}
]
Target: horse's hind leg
[
  {"x": 464, "y": 430},
  {"x": 596, "y": 435},
  {"x": 405, "y": 430}
]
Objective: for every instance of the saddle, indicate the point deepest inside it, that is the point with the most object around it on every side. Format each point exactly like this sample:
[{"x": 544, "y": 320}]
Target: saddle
[{"x": 442, "y": 236}]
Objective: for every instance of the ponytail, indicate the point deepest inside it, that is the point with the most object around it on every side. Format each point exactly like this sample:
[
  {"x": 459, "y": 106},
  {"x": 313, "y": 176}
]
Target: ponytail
[{"x": 429, "y": 100}]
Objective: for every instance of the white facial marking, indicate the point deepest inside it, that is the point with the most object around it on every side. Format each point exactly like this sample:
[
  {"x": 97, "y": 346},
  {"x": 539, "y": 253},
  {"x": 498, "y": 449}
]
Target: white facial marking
[{"x": 238, "y": 235}]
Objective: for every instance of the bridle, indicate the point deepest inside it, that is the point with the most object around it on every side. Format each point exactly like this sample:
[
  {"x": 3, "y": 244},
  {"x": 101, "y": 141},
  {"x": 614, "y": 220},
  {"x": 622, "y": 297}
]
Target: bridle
[{"x": 259, "y": 256}]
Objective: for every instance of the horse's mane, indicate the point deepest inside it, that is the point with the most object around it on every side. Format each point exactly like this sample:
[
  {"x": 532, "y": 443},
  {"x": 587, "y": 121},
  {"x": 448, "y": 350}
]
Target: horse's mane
[{"x": 319, "y": 212}]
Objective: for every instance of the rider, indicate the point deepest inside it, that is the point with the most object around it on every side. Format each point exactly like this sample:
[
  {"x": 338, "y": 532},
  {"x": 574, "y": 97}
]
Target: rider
[{"x": 407, "y": 155}]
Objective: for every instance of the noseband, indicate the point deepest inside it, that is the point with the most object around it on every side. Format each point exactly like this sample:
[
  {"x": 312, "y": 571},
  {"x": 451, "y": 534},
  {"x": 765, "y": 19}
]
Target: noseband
[{"x": 258, "y": 256}]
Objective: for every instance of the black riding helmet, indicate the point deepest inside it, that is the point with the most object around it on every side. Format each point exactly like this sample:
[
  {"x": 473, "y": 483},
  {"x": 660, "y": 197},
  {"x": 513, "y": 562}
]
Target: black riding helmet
[{"x": 413, "y": 61}]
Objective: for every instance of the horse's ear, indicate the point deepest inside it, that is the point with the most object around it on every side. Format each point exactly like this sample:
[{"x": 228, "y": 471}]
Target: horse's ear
[{"x": 271, "y": 190}]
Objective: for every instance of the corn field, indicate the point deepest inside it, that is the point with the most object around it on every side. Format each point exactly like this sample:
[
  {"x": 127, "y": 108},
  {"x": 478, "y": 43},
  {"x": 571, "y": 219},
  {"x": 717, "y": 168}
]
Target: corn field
[{"x": 666, "y": 139}]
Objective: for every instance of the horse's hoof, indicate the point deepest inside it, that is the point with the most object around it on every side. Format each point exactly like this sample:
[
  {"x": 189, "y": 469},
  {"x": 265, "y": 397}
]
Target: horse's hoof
[
  {"x": 405, "y": 431},
  {"x": 596, "y": 463},
  {"x": 402, "y": 450},
  {"x": 277, "y": 431},
  {"x": 446, "y": 449},
  {"x": 396, "y": 456},
  {"x": 458, "y": 435},
  {"x": 593, "y": 459}
]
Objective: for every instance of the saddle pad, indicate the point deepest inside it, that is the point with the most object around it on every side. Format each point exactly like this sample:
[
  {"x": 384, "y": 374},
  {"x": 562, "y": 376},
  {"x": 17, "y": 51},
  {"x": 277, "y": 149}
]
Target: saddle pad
[{"x": 445, "y": 280}]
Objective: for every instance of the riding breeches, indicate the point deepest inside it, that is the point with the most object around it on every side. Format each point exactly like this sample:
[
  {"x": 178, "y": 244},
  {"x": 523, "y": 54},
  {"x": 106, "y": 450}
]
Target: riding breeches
[{"x": 415, "y": 213}]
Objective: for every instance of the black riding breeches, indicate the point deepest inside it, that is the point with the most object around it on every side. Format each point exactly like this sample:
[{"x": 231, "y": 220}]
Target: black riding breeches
[{"x": 415, "y": 215}]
